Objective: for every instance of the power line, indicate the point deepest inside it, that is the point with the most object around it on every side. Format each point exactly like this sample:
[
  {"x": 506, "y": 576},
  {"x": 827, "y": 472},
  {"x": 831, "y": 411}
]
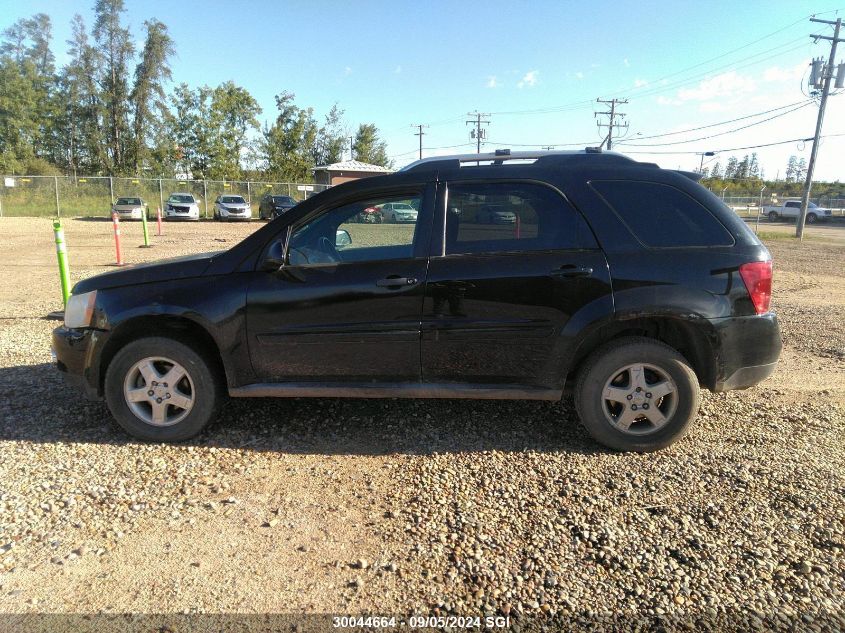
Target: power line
[
  {"x": 420, "y": 134},
  {"x": 611, "y": 115},
  {"x": 478, "y": 133},
  {"x": 736, "y": 149},
  {"x": 821, "y": 75},
  {"x": 709, "y": 136},
  {"x": 704, "y": 127}
]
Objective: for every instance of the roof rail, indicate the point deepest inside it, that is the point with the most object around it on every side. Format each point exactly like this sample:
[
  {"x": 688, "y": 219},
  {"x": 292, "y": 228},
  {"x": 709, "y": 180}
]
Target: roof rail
[{"x": 501, "y": 155}]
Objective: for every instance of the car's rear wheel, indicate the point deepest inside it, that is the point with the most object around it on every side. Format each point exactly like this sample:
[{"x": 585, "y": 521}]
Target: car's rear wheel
[
  {"x": 636, "y": 394},
  {"x": 811, "y": 218},
  {"x": 162, "y": 390},
  {"x": 773, "y": 216}
]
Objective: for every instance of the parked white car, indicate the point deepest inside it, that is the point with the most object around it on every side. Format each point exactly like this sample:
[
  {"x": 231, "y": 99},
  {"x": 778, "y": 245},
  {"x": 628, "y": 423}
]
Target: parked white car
[
  {"x": 232, "y": 208},
  {"x": 182, "y": 206},
  {"x": 398, "y": 212},
  {"x": 791, "y": 208}
]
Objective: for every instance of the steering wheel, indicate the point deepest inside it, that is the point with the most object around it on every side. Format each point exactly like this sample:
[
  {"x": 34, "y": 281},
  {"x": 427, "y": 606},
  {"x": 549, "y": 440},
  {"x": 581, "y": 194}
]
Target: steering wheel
[{"x": 327, "y": 248}]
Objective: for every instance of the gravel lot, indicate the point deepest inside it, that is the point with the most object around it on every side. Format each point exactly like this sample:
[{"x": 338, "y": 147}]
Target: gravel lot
[{"x": 424, "y": 507}]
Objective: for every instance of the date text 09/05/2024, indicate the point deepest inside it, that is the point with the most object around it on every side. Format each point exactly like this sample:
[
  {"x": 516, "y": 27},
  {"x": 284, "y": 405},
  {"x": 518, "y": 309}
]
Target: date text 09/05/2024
[{"x": 420, "y": 622}]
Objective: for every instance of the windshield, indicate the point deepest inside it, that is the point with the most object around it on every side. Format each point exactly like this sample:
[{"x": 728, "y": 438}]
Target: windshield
[
  {"x": 283, "y": 200},
  {"x": 128, "y": 201},
  {"x": 177, "y": 197},
  {"x": 233, "y": 200},
  {"x": 399, "y": 206}
]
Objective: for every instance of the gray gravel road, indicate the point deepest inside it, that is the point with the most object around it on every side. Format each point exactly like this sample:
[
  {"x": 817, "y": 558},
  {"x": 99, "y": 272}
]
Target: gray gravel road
[{"x": 429, "y": 507}]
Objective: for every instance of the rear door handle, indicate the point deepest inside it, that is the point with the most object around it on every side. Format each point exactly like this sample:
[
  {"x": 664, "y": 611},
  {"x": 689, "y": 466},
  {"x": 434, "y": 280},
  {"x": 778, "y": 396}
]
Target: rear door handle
[
  {"x": 571, "y": 270},
  {"x": 390, "y": 282}
]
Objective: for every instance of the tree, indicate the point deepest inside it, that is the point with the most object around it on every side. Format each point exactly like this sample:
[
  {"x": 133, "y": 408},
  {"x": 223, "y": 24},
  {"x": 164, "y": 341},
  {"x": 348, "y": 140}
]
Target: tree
[
  {"x": 331, "y": 139},
  {"x": 754, "y": 166},
  {"x": 148, "y": 94},
  {"x": 116, "y": 48},
  {"x": 234, "y": 112},
  {"x": 731, "y": 168},
  {"x": 792, "y": 169},
  {"x": 19, "y": 127},
  {"x": 801, "y": 170},
  {"x": 190, "y": 128},
  {"x": 716, "y": 171},
  {"x": 368, "y": 147},
  {"x": 288, "y": 145},
  {"x": 742, "y": 168}
]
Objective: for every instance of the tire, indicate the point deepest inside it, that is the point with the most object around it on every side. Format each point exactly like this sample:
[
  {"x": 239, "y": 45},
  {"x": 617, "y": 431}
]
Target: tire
[
  {"x": 773, "y": 216},
  {"x": 812, "y": 218},
  {"x": 663, "y": 368},
  {"x": 201, "y": 384}
]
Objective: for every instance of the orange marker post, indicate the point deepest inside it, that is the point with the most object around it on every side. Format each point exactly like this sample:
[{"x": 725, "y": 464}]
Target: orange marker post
[
  {"x": 116, "y": 223},
  {"x": 158, "y": 220}
]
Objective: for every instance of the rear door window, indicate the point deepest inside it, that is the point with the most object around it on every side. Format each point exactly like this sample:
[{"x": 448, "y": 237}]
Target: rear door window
[
  {"x": 661, "y": 216},
  {"x": 509, "y": 216}
]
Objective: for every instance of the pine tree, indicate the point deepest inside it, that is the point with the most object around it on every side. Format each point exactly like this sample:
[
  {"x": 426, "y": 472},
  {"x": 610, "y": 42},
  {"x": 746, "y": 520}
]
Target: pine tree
[
  {"x": 116, "y": 48},
  {"x": 716, "y": 172},
  {"x": 148, "y": 94},
  {"x": 368, "y": 147},
  {"x": 791, "y": 169},
  {"x": 731, "y": 168}
]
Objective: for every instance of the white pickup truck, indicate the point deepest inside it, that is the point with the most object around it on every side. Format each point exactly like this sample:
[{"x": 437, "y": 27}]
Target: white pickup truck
[{"x": 791, "y": 209}]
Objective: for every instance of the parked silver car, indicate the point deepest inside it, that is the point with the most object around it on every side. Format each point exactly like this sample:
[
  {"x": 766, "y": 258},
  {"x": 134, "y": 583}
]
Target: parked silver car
[
  {"x": 398, "y": 212},
  {"x": 182, "y": 206},
  {"x": 129, "y": 208},
  {"x": 232, "y": 208}
]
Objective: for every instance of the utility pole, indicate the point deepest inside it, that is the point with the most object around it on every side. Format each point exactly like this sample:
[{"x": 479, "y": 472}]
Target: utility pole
[
  {"x": 478, "y": 133},
  {"x": 420, "y": 134},
  {"x": 612, "y": 114},
  {"x": 548, "y": 147},
  {"x": 701, "y": 164},
  {"x": 820, "y": 72}
]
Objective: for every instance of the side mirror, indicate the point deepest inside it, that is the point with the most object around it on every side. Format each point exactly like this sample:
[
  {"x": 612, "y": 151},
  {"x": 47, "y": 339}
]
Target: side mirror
[
  {"x": 342, "y": 238},
  {"x": 275, "y": 257}
]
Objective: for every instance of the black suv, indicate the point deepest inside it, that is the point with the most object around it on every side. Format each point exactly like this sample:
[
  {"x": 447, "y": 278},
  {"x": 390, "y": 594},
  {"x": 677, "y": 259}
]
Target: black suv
[
  {"x": 628, "y": 284},
  {"x": 272, "y": 206}
]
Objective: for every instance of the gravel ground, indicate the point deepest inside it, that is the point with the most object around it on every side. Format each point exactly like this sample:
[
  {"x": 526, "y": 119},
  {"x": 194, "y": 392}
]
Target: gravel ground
[{"x": 424, "y": 507}]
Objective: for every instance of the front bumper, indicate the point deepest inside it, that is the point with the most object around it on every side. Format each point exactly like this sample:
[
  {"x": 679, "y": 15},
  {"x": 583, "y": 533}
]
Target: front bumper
[
  {"x": 749, "y": 348},
  {"x": 77, "y": 359}
]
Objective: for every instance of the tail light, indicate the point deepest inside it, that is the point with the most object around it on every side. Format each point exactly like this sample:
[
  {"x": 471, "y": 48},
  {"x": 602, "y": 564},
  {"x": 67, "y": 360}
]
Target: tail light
[{"x": 758, "y": 280}]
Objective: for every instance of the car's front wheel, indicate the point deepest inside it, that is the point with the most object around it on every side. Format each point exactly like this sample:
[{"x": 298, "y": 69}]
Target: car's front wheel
[
  {"x": 812, "y": 218},
  {"x": 773, "y": 216},
  {"x": 162, "y": 390},
  {"x": 636, "y": 394}
]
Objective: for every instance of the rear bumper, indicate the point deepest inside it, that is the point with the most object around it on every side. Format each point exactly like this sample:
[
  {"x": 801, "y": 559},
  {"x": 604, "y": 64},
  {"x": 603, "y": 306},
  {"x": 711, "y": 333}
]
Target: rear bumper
[
  {"x": 748, "y": 350},
  {"x": 77, "y": 359}
]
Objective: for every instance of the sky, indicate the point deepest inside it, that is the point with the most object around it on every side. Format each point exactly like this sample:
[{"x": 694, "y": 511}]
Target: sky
[{"x": 536, "y": 67}]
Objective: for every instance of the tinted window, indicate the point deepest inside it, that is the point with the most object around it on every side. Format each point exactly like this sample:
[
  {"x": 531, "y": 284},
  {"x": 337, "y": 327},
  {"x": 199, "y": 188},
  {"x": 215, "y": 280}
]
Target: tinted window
[
  {"x": 233, "y": 199},
  {"x": 661, "y": 215},
  {"x": 180, "y": 198},
  {"x": 497, "y": 217},
  {"x": 283, "y": 200},
  {"x": 372, "y": 236},
  {"x": 793, "y": 205},
  {"x": 129, "y": 201}
]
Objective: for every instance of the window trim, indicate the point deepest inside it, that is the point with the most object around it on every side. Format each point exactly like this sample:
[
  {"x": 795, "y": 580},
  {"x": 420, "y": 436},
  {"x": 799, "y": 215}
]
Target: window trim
[
  {"x": 671, "y": 186},
  {"x": 444, "y": 205},
  {"x": 421, "y": 191}
]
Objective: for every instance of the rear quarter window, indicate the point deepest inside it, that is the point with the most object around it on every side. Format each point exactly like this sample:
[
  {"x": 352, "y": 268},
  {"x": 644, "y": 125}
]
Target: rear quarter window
[{"x": 662, "y": 216}]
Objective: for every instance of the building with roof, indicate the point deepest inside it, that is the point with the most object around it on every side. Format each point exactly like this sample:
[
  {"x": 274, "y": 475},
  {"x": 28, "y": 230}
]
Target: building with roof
[{"x": 345, "y": 171}]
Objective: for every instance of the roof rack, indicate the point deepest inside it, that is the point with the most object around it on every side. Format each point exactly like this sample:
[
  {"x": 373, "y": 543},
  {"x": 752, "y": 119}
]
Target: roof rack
[{"x": 501, "y": 155}]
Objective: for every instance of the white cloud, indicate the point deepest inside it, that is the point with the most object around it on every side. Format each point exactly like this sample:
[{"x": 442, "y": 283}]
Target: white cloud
[
  {"x": 347, "y": 71},
  {"x": 492, "y": 82},
  {"x": 626, "y": 62},
  {"x": 529, "y": 79},
  {"x": 397, "y": 70},
  {"x": 579, "y": 75},
  {"x": 776, "y": 73},
  {"x": 661, "y": 100},
  {"x": 639, "y": 83},
  {"x": 729, "y": 84}
]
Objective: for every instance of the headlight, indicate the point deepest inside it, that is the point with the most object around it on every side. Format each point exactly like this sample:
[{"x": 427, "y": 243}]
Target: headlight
[{"x": 80, "y": 310}]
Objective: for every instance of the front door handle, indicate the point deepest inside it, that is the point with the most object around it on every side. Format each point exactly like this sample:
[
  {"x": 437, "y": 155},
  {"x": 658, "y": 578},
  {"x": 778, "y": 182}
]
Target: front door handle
[
  {"x": 394, "y": 281},
  {"x": 570, "y": 270}
]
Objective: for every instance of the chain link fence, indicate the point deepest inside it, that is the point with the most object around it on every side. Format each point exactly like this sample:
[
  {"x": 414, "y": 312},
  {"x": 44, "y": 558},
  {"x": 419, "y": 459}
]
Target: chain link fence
[
  {"x": 748, "y": 204},
  {"x": 93, "y": 196}
]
